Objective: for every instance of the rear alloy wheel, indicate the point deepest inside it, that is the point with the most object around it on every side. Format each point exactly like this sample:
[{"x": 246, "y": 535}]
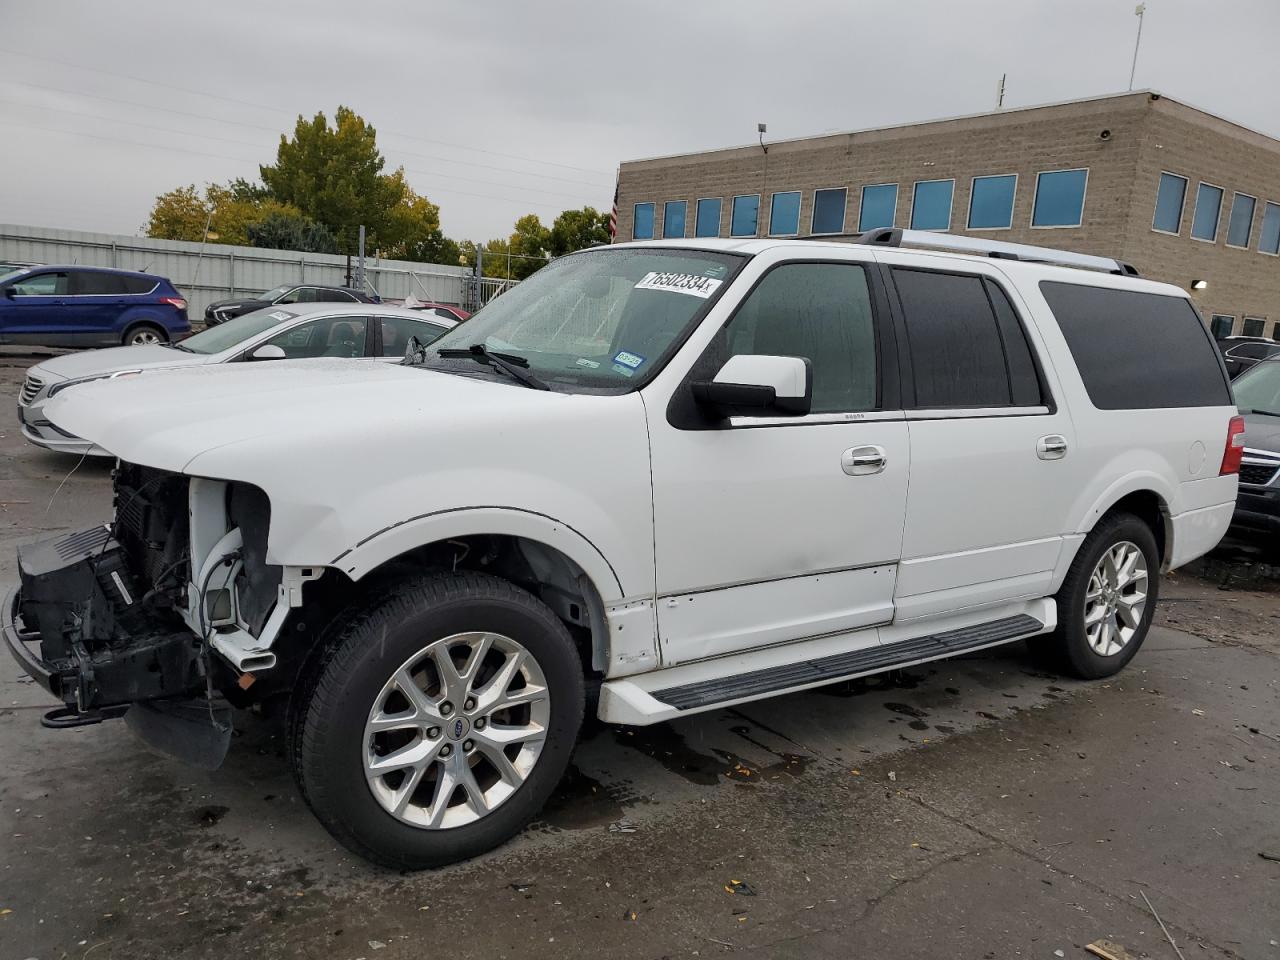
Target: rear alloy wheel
[
  {"x": 145, "y": 335},
  {"x": 438, "y": 719},
  {"x": 1107, "y": 600}
]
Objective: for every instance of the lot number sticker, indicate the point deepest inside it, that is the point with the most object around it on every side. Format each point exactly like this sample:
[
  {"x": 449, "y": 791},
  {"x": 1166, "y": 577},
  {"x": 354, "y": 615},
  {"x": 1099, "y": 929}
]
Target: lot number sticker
[{"x": 687, "y": 283}]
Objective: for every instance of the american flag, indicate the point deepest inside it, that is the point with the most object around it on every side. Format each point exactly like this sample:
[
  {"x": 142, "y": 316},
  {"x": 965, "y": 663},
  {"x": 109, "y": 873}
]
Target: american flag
[{"x": 613, "y": 214}]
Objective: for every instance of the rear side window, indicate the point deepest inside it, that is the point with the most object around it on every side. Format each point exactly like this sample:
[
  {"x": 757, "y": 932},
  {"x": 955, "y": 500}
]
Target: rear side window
[
  {"x": 967, "y": 347},
  {"x": 139, "y": 284},
  {"x": 1137, "y": 350},
  {"x": 89, "y": 283}
]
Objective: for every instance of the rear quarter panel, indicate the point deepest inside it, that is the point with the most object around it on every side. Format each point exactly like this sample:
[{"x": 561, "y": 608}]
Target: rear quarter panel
[{"x": 1175, "y": 452}]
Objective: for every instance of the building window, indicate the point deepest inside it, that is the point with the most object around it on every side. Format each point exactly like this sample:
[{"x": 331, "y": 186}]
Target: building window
[
  {"x": 784, "y": 214},
  {"x": 642, "y": 222},
  {"x": 1240, "y": 223},
  {"x": 708, "y": 218},
  {"x": 828, "y": 210},
  {"x": 1253, "y": 327},
  {"x": 991, "y": 202},
  {"x": 1221, "y": 325},
  {"x": 1170, "y": 196},
  {"x": 745, "y": 217},
  {"x": 1269, "y": 235},
  {"x": 1204, "y": 222},
  {"x": 879, "y": 206},
  {"x": 1059, "y": 198},
  {"x": 931, "y": 204},
  {"x": 673, "y": 212}
]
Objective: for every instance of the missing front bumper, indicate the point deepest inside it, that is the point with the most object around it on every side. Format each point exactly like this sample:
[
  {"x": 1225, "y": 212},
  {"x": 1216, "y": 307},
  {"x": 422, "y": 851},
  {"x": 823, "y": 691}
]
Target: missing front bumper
[{"x": 83, "y": 628}]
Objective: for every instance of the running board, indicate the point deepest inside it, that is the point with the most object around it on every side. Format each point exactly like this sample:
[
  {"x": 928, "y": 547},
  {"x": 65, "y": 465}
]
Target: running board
[{"x": 645, "y": 699}]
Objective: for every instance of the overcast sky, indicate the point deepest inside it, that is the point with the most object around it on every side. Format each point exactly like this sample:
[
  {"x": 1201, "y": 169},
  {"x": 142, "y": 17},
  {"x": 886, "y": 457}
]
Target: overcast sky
[{"x": 497, "y": 108}]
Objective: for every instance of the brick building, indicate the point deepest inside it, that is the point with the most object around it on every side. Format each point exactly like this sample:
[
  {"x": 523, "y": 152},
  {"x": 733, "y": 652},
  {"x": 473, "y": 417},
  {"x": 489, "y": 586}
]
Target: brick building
[{"x": 1185, "y": 196}]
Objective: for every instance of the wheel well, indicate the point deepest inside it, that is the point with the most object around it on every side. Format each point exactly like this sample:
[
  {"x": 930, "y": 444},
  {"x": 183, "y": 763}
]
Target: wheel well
[
  {"x": 1147, "y": 506},
  {"x": 544, "y": 571},
  {"x": 155, "y": 325}
]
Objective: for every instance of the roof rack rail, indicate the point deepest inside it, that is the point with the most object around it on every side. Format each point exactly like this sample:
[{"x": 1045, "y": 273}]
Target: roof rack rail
[{"x": 997, "y": 249}]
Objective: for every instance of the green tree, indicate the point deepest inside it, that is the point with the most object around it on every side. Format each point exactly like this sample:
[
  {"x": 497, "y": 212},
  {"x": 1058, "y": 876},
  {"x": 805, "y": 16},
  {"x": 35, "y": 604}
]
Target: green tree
[
  {"x": 333, "y": 174},
  {"x": 180, "y": 214},
  {"x": 291, "y": 231},
  {"x": 578, "y": 229}
]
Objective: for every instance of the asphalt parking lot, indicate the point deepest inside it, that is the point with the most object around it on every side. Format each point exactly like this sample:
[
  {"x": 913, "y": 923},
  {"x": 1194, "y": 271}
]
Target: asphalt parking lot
[{"x": 977, "y": 808}]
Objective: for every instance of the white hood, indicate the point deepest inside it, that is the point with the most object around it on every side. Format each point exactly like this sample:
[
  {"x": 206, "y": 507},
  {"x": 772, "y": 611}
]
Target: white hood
[
  {"x": 99, "y": 363},
  {"x": 347, "y": 448}
]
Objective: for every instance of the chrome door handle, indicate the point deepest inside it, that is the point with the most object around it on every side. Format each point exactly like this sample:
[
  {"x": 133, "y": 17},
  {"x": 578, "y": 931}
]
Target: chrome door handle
[
  {"x": 863, "y": 461},
  {"x": 1052, "y": 447}
]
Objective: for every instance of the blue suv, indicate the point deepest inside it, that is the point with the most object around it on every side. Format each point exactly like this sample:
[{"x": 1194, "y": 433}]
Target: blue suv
[{"x": 89, "y": 307}]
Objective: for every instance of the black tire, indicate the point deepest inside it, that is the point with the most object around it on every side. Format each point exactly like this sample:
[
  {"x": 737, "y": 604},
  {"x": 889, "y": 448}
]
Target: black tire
[
  {"x": 336, "y": 693},
  {"x": 1068, "y": 648},
  {"x": 144, "y": 328}
]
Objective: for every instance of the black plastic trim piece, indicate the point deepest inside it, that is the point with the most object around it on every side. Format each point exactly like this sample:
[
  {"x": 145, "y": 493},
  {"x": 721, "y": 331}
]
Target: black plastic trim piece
[{"x": 722, "y": 690}]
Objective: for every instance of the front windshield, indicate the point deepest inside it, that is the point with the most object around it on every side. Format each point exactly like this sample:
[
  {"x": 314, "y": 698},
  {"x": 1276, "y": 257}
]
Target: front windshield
[
  {"x": 236, "y": 331},
  {"x": 601, "y": 318},
  {"x": 274, "y": 293},
  {"x": 11, "y": 275},
  {"x": 1258, "y": 390}
]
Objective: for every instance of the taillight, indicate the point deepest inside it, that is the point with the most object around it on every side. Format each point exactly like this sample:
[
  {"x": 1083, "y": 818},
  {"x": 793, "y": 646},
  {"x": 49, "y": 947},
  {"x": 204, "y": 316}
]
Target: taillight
[
  {"x": 1235, "y": 447},
  {"x": 177, "y": 302}
]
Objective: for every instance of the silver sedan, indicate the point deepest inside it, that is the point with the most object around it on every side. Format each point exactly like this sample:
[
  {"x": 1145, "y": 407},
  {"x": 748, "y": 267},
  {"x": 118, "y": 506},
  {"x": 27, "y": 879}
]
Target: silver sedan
[{"x": 296, "y": 332}]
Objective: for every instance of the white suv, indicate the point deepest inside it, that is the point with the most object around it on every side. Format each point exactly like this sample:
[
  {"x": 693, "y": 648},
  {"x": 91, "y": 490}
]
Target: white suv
[{"x": 701, "y": 472}]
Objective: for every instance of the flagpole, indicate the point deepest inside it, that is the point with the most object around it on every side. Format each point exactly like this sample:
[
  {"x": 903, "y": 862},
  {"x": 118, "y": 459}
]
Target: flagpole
[{"x": 1138, "y": 11}]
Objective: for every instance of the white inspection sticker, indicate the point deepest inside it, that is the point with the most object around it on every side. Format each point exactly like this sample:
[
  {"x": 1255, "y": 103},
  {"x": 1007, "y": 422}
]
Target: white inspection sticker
[
  {"x": 281, "y": 315},
  {"x": 702, "y": 287}
]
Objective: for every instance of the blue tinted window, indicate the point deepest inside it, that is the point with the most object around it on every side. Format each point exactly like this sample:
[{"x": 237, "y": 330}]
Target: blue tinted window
[
  {"x": 828, "y": 210},
  {"x": 991, "y": 202},
  {"x": 1059, "y": 198},
  {"x": 673, "y": 218},
  {"x": 1169, "y": 199},
  {"x": 1204, "y": 224},
  {"x": 746, "y": 216},
  {"x": 931, "y": 204},
  {"x": 708, "y": 220},
  {"x": 784, "y": 214},
  {"x": 1269, "y": 236},
  {"x": 879, "y": 205},
  {"x": 642, "y": 224},
  {"x": 1240, "y": 224}
]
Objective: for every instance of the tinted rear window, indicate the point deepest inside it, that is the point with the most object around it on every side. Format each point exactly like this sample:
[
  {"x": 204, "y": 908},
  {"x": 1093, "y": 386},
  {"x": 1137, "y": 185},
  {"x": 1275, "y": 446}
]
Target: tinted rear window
[
  {"x": 139, "y": 284},
  {"x": 1137, "y": 350}
]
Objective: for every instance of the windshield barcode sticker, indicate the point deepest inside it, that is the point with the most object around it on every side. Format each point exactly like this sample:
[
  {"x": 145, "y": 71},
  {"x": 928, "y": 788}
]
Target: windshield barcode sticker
[{"x": 702, "y": 287}]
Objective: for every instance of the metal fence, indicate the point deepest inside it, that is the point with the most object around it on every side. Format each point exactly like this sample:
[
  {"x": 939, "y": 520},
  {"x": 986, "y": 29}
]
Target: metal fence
[{"x": 208, "y": 272}]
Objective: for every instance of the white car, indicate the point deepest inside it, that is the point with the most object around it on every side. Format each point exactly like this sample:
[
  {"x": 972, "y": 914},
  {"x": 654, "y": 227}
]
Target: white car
[
  {"x": 701, "y": 472},
  {"x": 298, "y": 331}
]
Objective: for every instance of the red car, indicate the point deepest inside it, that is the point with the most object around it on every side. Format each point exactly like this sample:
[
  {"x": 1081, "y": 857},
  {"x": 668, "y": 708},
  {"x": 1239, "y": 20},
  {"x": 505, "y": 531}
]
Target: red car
[{"x": 449, "y": 312}]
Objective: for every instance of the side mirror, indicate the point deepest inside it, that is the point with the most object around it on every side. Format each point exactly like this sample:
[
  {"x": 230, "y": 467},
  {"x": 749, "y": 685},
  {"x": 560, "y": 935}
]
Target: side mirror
[
  {"x": 758, "y": 386},
  {"x": 268, "y": 351},
  {"x": 10, "y": 293}
]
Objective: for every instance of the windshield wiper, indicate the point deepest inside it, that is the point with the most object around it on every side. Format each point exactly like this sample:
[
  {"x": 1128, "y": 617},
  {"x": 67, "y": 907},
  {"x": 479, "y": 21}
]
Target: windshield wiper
[
  {"x": 513, "y": 364},
  {"x": 177, "y": 346},
  {"x": 1265, "y": 413}
]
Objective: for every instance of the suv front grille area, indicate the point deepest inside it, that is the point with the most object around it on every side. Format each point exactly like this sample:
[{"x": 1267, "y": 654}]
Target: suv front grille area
[
  {"x": 31, "y": 388},
  {"x": 104, "y": 601}
]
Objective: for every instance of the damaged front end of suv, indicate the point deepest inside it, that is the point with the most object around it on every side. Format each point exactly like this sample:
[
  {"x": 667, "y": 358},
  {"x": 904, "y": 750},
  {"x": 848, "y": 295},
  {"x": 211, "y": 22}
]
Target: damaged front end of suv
[{"x": 160, "y": 616}]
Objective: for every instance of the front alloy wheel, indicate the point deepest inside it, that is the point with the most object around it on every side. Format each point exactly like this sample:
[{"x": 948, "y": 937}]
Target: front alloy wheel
[
  {"x": 456, "y": 730},
  {"x": 436, "y": 718}
]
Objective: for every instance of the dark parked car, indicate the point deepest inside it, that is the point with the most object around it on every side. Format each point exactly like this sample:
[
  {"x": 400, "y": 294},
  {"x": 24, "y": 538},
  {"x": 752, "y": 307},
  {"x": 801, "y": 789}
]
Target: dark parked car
[
  {"x": 89, "y": 307},
  {"x": 283, "y": 295},
  {"x": 1257, "y": 393},
  {"x": 1240, "y": 354}
]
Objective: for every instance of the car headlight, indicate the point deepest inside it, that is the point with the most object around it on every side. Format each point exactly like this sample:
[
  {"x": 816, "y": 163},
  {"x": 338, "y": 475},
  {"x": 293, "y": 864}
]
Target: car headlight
[{"x": 106, "y": 376}]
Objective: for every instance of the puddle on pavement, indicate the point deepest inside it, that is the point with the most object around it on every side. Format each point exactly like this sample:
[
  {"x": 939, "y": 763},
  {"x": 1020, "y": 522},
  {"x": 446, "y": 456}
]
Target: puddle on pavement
[
  {"x": 578, "y": 803},
  {"x": 663, "y": 744}
]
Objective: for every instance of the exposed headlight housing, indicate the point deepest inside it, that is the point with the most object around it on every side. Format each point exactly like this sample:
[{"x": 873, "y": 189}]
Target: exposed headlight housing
[{"x": 106, "y": 376}]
